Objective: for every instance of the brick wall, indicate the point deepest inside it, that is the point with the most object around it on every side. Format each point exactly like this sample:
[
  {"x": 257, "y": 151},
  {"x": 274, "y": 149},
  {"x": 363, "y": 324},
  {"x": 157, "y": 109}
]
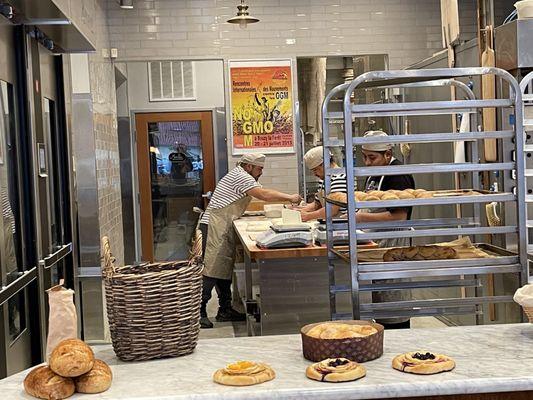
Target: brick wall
[{"x": 106, "y": 138}]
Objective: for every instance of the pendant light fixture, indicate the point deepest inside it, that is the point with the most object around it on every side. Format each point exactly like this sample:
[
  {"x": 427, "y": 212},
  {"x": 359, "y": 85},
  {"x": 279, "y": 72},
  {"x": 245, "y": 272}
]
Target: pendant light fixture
[{"x": 243, "y": 17}]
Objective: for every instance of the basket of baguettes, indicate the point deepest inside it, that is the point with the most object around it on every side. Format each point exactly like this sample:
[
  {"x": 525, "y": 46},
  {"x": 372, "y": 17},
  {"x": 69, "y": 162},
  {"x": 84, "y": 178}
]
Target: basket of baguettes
[
  {"x": 153, "y": 308},
  {"x": 407, "y": 194},
  {"x": 72, "y": 368},
  {"x": 524, "y": 297},
  {"x": 358, "y": 341}
]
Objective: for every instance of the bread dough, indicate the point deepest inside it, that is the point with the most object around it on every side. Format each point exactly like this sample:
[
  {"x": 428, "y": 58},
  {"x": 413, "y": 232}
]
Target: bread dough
[
  {"x": 335, "y": 370},
  {"x": 44, "y": 383},
  {"x": 420, "y": 253},
  {"x": 330, "y": 330},
  {"x": 423, "y": 363},
  {"x": 244, "y": 373},
  {"x": 71, "y": 358},
  {"x": 338, "y": 196},
  {"x": 97, "y": 380}
]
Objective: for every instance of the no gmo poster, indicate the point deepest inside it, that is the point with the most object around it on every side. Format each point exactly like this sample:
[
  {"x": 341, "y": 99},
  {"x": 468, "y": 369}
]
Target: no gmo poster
[{"x": 262, "y": 118}]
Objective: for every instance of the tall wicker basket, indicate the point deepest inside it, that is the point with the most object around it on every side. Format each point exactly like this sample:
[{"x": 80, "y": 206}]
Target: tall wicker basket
[{"x": 153, "y": 308}]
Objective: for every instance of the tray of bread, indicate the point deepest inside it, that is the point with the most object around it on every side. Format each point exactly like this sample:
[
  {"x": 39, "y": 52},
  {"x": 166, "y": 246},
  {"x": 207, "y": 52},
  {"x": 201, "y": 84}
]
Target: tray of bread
[
  {"x": 357, "y": 341},
  {"x": 340, "y": 199}
]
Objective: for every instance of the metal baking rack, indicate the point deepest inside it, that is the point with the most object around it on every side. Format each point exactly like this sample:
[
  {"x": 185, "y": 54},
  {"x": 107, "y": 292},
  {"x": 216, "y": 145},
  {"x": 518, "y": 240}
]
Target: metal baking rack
[
  {"x": 425, "y": 272},
  {"x": 526, "y": 86}
]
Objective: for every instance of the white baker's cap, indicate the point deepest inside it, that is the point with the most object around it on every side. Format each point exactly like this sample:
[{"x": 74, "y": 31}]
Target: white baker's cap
[
  {"x": 314, "y": 157},
  {"x": 376, "y": 146},
  {"x": 257, "y": 159}
]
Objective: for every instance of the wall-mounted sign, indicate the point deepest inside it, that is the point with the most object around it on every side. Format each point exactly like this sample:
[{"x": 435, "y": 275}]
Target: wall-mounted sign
[{"x": 262, "y": 117}]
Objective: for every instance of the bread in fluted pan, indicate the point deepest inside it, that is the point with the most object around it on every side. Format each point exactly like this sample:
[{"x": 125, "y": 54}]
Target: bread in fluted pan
[
  {"x": 97, "y": 380},
  {"x": 44, "y": 383},
  {"x": 71, "y": 358},
  {"x": 423, "y": 363}
]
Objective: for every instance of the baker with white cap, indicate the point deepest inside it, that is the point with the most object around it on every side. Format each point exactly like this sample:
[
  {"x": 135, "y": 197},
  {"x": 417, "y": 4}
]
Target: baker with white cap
[
  {"x": 314, "y": 160},
  {"x": 230, "y": 199},
  {"x": 379, "y": 154}
]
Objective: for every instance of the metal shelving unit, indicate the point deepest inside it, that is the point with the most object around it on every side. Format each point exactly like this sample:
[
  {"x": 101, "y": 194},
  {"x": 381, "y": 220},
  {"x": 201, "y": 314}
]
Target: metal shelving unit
[
  {"x": 526, "y": 87},
  {"x": 425, "y": 271}
]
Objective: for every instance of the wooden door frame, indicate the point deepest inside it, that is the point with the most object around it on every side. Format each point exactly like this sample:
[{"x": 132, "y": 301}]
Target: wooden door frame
[{"x": 143, "y": 165}]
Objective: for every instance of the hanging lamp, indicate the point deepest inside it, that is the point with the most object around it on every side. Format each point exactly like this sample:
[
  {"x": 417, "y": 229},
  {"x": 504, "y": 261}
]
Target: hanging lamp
[{"x": 243, "y": 17}]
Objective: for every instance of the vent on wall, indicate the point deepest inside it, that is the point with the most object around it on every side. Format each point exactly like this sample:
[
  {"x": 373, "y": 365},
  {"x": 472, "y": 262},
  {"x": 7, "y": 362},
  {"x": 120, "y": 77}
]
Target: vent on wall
[{"x": 171, "y": 80}]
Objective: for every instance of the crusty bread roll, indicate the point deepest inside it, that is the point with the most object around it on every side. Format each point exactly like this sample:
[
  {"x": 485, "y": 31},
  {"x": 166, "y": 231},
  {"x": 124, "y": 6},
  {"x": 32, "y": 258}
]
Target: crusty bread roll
[
  {"x": 411, "y": 191},
  {"x": 371, "y": 198},
  {"x": 377, "y": 193},
  {"x": 405, "y": 195},
  {"x": 97, "y": 380},
  {"x": 415, "y": 253},
  {"x": 360, "y": 196},
  {"x": 424, "y": 195},
  {"x": 71, "y": 358},
  {"x": 389, "y": 196},
  {"x": 44, "y": 383},
  {"x": 338, "y": 196}
]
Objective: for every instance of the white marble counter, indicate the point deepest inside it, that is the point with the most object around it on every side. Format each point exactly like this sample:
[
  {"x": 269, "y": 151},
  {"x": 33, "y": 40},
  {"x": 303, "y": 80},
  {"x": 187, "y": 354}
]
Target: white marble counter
[{"x": 489, "y": 359}]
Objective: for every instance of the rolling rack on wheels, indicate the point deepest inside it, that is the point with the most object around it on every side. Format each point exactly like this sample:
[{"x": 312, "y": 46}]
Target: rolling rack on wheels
[
  {"x": 526, "y": 86},
  {"x": 408, "y": 275}
]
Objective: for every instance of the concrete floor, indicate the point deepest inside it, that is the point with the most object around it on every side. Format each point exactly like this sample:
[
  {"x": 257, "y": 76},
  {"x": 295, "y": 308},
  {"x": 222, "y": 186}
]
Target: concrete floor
[{"x": 238, "y": 329}]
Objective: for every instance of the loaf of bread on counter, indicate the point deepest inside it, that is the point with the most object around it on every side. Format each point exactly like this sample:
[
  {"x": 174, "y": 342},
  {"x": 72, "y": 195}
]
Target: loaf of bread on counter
[
  {"x": 97, "y": 380},
  {"x": 44, "y": 383},
  {"x": 420, "y": 253},
  {"x": 71, "y": 358}
]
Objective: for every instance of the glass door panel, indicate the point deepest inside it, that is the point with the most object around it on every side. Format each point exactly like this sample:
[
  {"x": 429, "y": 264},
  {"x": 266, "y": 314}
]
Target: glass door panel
[{"x": 176, "y": 171}]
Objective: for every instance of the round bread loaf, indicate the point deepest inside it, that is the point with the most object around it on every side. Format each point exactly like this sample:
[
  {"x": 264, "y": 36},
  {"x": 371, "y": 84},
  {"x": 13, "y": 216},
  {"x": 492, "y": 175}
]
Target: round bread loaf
[
  {"x": 44, "y": 383},
  {"x": 71, "y": 358},
  {"x": 97, "y": 380}
]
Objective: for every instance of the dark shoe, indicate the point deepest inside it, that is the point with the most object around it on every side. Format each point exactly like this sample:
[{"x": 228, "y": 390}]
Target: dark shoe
[
  {"x": 205, "y": 323},
  {"x": 230, "y": 314}
]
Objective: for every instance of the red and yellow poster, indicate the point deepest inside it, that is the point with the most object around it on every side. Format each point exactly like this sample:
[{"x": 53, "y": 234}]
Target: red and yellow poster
[{"x": 261, "y": 106}]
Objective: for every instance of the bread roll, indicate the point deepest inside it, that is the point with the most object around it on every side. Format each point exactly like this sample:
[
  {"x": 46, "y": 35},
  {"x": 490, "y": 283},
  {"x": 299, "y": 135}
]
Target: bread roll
[
  {"x": 389, "y": 196},
  {"x": 411, "y": 191},
  {"x": 360, "y": 196},
  {"x": 71, "y": 358},
  {"x": 424, "y": 195},
  {"x": 97, "y": 380},
  {"x": 418, "y": 191},
  {"x": 377, "y": 193},
  {"x": 44, "y": 383},
  {"x": 372, "y": 198},
  {"x": 338, "y": 196},
  {"x": 405, "y": 195}
]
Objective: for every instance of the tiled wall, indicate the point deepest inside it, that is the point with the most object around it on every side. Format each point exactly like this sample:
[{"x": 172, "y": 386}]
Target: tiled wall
[{"x": 106, "y": 139}]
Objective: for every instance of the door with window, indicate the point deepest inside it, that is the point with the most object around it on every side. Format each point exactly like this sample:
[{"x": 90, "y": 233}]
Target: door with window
[{"x": 176, "y": 169}]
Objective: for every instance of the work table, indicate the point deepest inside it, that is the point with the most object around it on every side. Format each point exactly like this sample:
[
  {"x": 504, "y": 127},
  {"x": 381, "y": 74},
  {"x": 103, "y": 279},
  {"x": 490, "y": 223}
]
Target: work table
[{"x": 490, "y": 359}]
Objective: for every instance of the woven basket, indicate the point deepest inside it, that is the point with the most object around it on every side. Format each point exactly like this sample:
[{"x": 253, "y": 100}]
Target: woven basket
[
  {"x": 153, "y": 309},
  {"x": 358, "y": 349},
  {"x": 529, "y": 312}
]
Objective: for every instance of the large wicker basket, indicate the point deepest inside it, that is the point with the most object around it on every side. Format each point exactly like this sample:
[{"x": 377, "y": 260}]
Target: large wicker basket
[{"x": 153, "y": 309}]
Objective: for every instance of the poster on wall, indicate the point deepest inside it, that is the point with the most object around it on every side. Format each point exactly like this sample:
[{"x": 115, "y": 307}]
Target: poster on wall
[{"x": 262, "y": 116}]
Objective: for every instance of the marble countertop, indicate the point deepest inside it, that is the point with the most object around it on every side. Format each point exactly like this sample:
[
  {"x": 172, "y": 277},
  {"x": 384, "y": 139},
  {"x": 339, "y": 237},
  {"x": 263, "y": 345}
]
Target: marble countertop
[{"x": 497, "y": 358}]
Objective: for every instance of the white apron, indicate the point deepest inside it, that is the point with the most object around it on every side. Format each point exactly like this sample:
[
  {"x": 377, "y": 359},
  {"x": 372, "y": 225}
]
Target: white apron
[{"x": 219, "y": 257}]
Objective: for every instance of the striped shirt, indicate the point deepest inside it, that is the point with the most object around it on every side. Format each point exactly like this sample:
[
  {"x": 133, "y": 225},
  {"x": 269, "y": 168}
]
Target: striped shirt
[
  {"x": 230, "y": 188},
  {"x": 338, "y": 184}
]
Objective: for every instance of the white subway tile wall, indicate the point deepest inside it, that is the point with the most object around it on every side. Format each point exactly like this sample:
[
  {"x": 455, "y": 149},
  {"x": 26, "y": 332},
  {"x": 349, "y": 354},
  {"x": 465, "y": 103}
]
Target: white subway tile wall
[{"x": 406, "y": 30}]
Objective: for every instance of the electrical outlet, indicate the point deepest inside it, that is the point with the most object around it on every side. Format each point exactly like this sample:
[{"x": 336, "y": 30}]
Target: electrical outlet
[
  {"x": 105, "y": 53},
  {"x": 114, "y": 53}
]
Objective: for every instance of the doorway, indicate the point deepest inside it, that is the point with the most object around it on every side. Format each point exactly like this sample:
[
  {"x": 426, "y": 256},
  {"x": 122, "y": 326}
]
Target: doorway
[{"x": 176, "y": 169}]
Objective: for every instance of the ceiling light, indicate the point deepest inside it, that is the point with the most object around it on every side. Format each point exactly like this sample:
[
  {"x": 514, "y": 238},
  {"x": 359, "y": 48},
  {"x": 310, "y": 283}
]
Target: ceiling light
[
  {"x": 243, "y": 17},
  {"x": 126, "y": 4}
]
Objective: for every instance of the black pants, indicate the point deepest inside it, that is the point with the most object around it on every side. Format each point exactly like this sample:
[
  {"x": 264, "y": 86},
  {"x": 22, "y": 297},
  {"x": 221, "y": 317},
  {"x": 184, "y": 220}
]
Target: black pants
[{"x": 222, "y": 286}]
